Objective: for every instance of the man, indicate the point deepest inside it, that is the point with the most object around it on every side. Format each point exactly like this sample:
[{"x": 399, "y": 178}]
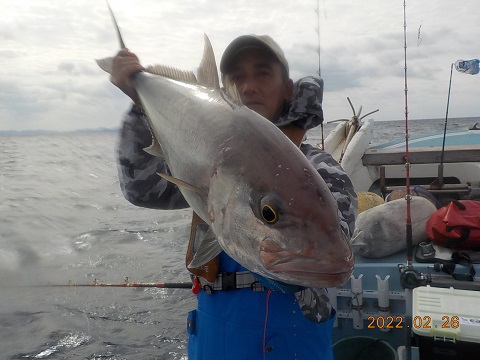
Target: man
[{"x": 253, "y": 322}]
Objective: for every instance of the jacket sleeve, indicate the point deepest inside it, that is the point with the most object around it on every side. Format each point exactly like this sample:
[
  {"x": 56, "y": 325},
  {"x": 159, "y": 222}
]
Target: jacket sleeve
[
  {"x": 339, "y": 184},
  {"x": 137, "y": 170},
  {"x": 314, "y": 302}
]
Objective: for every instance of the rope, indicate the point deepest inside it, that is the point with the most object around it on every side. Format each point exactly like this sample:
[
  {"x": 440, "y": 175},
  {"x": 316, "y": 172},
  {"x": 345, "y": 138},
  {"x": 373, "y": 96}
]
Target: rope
[{"x": 265, "y": 324}]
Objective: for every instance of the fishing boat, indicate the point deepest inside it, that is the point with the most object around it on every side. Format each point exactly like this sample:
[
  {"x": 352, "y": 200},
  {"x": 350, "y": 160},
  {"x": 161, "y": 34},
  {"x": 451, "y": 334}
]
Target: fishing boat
[{"x": 389, "y": 310}]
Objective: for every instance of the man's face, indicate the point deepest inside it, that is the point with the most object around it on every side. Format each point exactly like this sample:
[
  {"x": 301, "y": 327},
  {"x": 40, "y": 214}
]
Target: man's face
[{"x": 259, "y": 81}]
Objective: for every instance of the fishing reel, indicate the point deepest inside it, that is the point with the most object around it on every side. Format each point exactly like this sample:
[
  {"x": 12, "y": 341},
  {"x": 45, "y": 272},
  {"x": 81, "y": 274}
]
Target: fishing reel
[{"x": 411, "y": 278}]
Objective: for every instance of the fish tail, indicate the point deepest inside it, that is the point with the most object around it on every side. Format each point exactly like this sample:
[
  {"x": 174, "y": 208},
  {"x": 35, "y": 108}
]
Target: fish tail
[{"x": 119, "y": 34}]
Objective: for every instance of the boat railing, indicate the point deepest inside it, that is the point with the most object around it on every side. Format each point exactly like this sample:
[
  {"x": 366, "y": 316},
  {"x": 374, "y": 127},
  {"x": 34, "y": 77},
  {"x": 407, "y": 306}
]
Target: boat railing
[
  {"x": 382, "y": 158},
  {"x": 421, "y": 155}
]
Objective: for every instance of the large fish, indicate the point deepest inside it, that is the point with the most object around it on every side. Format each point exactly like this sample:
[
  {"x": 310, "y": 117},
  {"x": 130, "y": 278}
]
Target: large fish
[{"x": 267, "y": 206}]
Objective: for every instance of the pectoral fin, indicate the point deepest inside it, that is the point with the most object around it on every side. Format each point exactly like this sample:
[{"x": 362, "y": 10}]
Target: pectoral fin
[
  {"x": 356, "y": 241},
  {"x": 155, "y": 149},
  {"x": 181, "y": 183},
  {"x": 208, "y": 249}
]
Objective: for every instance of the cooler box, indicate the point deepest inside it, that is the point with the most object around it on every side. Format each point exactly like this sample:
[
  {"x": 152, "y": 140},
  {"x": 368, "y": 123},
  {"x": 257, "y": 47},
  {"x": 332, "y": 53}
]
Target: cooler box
[{"x": 446, "y": 322}]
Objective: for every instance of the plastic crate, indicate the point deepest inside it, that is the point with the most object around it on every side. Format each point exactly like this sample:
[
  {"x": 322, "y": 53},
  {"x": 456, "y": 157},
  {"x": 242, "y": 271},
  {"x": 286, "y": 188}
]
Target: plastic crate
[{"x": 446, "y": 322}]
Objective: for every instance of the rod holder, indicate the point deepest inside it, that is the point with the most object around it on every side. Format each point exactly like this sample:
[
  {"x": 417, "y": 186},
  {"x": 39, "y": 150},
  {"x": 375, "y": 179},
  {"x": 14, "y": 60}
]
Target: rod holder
[
  {"x": 357, "y": 301},
  {"x": 383, "y": 299}
]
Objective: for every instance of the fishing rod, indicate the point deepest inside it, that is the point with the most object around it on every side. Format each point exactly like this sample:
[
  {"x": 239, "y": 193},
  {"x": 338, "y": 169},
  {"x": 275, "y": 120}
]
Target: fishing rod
[
  {"x": 319, "y": 71},
  {"x": 407, "y": 155},
  {"x": 439, "y": 180},
  {"x": 409, "y": 273},
  {"x": 317, "y": 11},
  {"x": 126, "y": 284}
]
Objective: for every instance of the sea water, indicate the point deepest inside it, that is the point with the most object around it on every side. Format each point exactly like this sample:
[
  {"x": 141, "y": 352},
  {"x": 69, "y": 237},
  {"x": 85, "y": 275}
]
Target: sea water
[{"x": 63, "y": 219}]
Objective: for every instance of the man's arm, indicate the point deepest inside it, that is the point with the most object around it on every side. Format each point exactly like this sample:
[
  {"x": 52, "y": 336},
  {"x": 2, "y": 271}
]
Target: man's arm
[
  {"x": 137, "y": 170},
  {"x": 314, "y": 302},
  {"x": 339, "y": 184}
]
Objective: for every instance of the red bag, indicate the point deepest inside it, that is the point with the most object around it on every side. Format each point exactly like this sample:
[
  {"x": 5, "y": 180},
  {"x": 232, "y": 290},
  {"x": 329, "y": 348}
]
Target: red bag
[{"x": 456, "y": 225}]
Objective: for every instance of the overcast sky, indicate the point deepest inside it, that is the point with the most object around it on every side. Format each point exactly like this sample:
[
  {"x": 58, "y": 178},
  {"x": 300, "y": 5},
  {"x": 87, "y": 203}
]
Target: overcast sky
[{"x": 49, "y": 79}]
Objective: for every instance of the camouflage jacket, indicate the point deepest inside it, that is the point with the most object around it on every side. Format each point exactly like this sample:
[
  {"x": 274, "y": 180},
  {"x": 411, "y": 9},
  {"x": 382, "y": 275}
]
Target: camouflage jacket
[{"x": 143, "y": 187}]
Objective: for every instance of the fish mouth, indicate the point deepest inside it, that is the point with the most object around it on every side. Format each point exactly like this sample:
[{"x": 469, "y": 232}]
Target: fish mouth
[
  {"x": 300, "y": 267},
  {"x": 304, "y": 269}
]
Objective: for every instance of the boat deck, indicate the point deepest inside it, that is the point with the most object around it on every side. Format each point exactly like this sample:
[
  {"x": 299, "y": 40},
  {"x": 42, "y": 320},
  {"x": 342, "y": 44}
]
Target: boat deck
[
  {"x": 374, "y": 303},
  {"x": 377, "y": 281}
]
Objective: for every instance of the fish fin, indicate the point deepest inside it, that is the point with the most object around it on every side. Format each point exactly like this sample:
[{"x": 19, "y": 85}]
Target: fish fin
[
  {"x": 119, "y": 35},
  {"x": 181, "y": 183},
  {"x": 162, "y": 70},
  {"x": 208, "y": 249},
  {"x": 105, "y": 64},
  {"x": 355, "y": 241},
  {"x": 207, "y": 72},
  {"x": 172, "y": 73},
  {"x": 232, "y": 92},
  {"x": 155, "y": 149}
]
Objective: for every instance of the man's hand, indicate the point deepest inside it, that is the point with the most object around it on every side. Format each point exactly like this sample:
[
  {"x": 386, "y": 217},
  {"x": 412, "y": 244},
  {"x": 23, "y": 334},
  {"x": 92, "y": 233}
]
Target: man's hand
[{"x": 126, "y": 64}]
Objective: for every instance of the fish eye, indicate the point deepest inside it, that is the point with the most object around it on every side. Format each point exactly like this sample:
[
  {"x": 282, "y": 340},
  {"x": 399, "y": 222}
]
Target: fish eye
[{"x": 269, "y": 214}]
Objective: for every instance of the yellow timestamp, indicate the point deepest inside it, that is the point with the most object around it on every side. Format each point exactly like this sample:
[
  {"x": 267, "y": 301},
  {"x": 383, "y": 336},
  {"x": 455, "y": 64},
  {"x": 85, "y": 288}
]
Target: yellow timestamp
[
  {"x": 419, "y": 322},
  {"x": 385, "y": 322}
]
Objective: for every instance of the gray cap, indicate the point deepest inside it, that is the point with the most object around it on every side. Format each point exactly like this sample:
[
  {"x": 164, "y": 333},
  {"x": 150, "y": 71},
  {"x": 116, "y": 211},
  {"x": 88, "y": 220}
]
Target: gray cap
[{"x": 261, "y": 41}]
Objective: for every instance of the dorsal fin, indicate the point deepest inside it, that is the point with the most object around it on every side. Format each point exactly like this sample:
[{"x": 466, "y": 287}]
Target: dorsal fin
[
  {"x": 232, "y": 91},
  {"x": 172, "y": 73},
  {"x": 207, "y": 72}
]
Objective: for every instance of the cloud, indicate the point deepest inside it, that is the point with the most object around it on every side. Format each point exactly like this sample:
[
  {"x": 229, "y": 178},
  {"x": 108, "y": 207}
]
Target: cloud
[
  {"x": 67, "y": 67},
  {"x": 49, "y": 79}
]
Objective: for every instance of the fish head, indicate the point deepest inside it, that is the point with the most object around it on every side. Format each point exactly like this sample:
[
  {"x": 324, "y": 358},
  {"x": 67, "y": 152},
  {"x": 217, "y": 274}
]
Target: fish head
[{"x": 285, "y": 229}]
